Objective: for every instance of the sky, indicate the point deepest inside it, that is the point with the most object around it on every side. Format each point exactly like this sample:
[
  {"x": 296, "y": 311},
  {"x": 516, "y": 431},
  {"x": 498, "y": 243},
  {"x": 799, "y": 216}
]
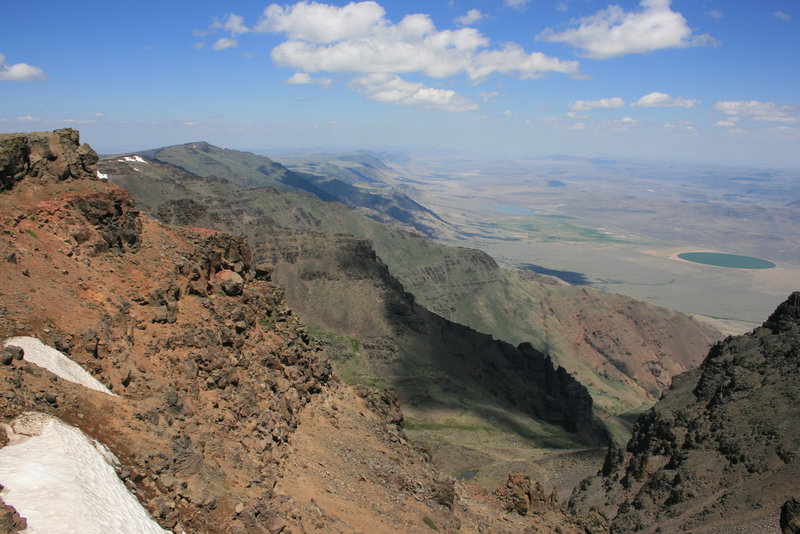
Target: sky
[{"x": 707, "y": 81}]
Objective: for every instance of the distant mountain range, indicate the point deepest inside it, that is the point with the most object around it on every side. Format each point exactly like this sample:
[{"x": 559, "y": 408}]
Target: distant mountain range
[{"x": 624, "y": 370}]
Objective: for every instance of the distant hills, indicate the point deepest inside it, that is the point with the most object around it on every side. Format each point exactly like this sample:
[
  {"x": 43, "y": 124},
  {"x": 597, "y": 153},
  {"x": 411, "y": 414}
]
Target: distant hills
[
  {"x": 250, "y": 171},
  {"x": 624, "y": 371}
]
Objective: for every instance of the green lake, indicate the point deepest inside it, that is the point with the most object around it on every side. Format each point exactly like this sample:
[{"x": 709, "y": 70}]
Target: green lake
[{"x": 732, "y": 261}]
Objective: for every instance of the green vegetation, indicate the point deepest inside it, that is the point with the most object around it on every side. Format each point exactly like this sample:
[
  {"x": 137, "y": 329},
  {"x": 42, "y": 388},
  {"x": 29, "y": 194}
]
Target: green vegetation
[
  {"x": 32, "y": 233},
  {"x": 559, "y": 228},
  {"x": 731, "y": 261},
  {"x": 430, "y": 522}
]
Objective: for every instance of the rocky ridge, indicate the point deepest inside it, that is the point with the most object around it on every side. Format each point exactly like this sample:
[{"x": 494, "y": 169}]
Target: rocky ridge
[
  {"x": 625, "y": 351},
  {"x": 228, "y": 417},
  {"x": 721, "y": 449},
  {"x": 211, "y": 366}
]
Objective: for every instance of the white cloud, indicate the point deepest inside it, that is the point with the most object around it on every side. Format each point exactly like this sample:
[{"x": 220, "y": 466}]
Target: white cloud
[
  {"x": 512, "y": 59},
  {"x": 472, "y": 16},
  {"x": 716, "y": 14},
  {"x": 586, "y": 105},
  {"x": 391, "y": 89},
  {"x": 663, "y": 100},
  {"x": 509, "y": 113},
  {"x": 322, "y": 23},
  {"x": 303, "y": 78},
  {"x": 357, "y": 38},
  {"x": 20, "y": 72},
  {"x": 233, "y": 24},
  {"x": 614, "y": 32},
  {"x": 516, "y": 4},
  {"x": 728, "y": 123},
  {"x": 782, "y": 15},
  {"x": 98, "y": 114},
  {"x": 223, "y": 43},
  {"x": 28, "y": 118},
  {"x": 490, "y": 96},
  {"x": 759, "y": 111},
  {"x": 623, "y": 124},
  {"x": 562, "y": 6}
]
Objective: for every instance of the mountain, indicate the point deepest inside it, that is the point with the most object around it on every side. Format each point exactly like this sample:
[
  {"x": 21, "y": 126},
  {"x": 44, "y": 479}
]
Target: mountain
[
  {"x": 249, "y": 170},
  {"x": 174, "y": 359},
  {"x": 624, "y": 350},
  {"x": 721, "y": 449},
  {"x": 378, "y": 335}
]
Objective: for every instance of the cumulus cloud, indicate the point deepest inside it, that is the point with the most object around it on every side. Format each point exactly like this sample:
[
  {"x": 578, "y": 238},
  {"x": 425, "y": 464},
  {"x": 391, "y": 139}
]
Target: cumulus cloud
[
  {"x": 472, "y": 16},
  {"x": 223, "y": 43},
  {"x": 392, "y": 89},
  {"x": 759, "y": 111},
  {"x": 663, "y": 100},
  {"x": 233, "y": 24},
  {"x": 512, "y": 59},
  {"x": 20, "y": 72},
  {"x": 781, "y": 15},
  {"x": 613, "y": 32},
  {"x": 322, "y": 23},
  {"x": 358, "y": 38},
  {"x": 586, "y": 105},
  {"x": 303, "y": 78}
]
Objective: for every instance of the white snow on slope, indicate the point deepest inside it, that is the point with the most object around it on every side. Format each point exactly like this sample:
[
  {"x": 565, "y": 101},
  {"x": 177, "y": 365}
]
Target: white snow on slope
[
  {"x": 56, "y": 362},
  {"x": 102, "y": 176},
  {"x": 59, "y": 481},
  {"x": 133, "y": 159}
]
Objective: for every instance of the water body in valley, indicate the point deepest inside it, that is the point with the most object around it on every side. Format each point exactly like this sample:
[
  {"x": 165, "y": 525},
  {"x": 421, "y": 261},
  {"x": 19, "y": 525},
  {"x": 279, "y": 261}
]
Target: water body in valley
[{"x": 731, "y": 261}]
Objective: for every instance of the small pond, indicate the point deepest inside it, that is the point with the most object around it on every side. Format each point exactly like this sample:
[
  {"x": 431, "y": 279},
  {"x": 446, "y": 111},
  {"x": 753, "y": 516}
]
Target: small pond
[{"x": 732, "y": 261}]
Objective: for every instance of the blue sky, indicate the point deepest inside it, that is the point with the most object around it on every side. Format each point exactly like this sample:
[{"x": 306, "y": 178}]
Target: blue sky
[{"x": 690, "y": 80}]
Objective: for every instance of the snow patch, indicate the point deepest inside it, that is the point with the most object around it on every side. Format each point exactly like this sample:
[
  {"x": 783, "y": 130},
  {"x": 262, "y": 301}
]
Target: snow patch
[
  {"x": 102, "y": 176},
  {"x": 133, "y": 159},
  {"x": 59, "y": 481},
  {"x": 56, "y": 362}
]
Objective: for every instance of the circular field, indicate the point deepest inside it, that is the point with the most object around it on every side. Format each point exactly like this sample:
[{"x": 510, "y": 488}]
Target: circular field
[{"x": 731, "y": 261}]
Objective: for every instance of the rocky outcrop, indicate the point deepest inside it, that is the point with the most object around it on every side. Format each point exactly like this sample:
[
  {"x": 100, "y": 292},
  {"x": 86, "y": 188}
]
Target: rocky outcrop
[
  {"x": 790, "y": 516},
  {"x": 525, "y": 496},
  {"x": 54, "y": 155},
  {"x": 211, "y": 366},
  {"x": 721, "y": 445},
  {"x": 113, "y": 219}
]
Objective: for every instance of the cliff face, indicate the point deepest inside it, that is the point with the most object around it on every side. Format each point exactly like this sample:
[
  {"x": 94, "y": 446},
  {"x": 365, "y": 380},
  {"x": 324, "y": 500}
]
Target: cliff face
[{"x": 722, "y": 446}]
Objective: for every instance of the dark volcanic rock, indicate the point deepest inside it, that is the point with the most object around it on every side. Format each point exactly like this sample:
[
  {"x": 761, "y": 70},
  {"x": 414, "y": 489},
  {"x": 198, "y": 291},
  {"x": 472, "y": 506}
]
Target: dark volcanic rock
[
  {"x": 45, "y": 155},
  {"x": 729, "y": 429},
  {"x": 114, "y": 217},
  {"x": 790, "y": 516}
]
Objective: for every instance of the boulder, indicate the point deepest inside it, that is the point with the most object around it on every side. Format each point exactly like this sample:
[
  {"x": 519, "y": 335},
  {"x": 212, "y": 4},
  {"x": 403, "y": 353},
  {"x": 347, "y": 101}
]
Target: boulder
[
  {"x": 231, "y": 282},
  {"x": 790, "y": 516}
]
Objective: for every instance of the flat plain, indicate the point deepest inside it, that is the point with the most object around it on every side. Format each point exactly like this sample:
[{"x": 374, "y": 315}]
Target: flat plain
[{"x": 618, "y": 225}]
